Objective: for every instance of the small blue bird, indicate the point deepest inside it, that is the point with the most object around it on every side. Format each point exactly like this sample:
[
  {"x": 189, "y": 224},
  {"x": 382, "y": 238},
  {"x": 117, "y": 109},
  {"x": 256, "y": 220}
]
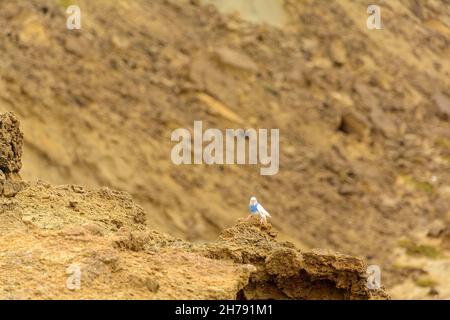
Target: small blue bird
[{"x": 257, "y": 209}]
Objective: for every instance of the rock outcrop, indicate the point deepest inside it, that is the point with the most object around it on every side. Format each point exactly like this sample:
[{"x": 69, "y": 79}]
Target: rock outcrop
[
  {"x": 50, "y": 234},
  {"x": 280, "y": 271},
  {"x": 11, "y": 140}
]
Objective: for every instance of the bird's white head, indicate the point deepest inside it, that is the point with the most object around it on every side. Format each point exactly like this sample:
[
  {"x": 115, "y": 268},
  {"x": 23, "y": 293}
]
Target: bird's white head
[{"x": 253, "y": 200}]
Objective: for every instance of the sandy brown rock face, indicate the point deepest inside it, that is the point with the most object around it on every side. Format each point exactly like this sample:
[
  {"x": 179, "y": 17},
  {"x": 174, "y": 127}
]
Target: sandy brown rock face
[
  {"x": 11, "y": 140},
  {"x": 281, "y": 271},
  {"x": 363, "y": 116},
  {"x": 102, "y": 234},
  {"x": 10, "y": 144}
]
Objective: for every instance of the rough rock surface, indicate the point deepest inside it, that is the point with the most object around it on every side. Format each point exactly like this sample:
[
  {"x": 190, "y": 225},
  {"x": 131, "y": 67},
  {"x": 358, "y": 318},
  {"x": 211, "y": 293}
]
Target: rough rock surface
[
  {"x": 11, "y": 140},
  {"x": 118, "y": 259}
]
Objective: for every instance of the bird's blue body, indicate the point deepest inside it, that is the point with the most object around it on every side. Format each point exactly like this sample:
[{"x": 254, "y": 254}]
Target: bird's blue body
[{"x": 253, "y": 208}]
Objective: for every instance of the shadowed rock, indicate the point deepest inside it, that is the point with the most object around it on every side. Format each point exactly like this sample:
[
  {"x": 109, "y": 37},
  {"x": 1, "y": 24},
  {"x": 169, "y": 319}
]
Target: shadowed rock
[{"x": 11, "y": 140}]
